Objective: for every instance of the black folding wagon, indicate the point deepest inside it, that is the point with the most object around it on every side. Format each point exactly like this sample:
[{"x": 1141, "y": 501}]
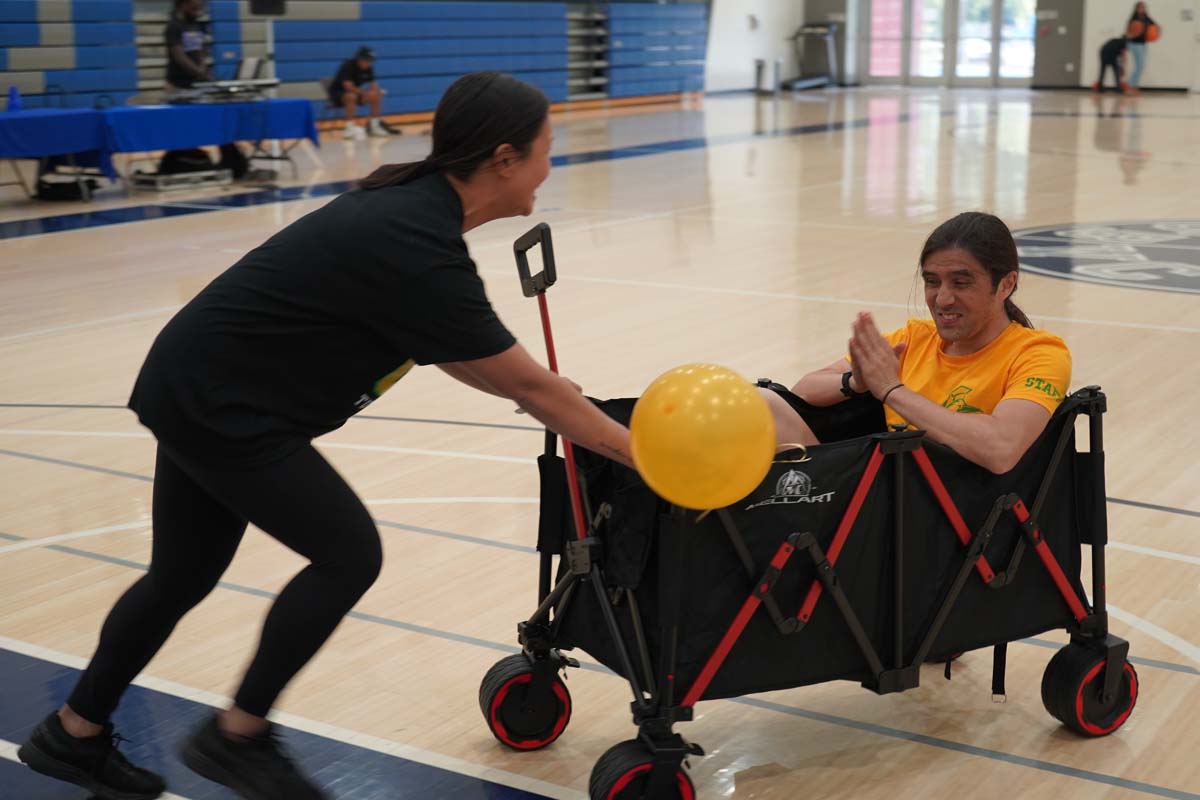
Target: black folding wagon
[{"x": 858, "y": 560}]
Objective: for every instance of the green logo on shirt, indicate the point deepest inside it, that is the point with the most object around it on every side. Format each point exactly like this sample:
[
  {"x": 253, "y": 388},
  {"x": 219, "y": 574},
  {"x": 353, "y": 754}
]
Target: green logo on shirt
[
  {"x": 1043, "y": 386},
  {"x": 957, "y": 401}
]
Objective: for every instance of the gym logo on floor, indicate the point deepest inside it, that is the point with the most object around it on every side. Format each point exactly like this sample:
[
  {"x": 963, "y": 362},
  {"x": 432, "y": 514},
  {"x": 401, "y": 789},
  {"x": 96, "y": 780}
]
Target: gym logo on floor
[
  {"x": 1161, "y": 255},
  {"x": 793, "y": 487}
]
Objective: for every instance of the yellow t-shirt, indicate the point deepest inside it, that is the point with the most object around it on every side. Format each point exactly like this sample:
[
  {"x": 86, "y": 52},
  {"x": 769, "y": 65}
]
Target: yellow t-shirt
[{"x": 1019, "y": 363}]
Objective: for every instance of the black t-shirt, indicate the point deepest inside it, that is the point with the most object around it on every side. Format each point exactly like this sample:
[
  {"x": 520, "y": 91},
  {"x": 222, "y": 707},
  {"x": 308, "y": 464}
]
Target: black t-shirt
[
  {"x": 1146, "y": 23},
  {"x": 313, "y": 325},
  {"x": 351, "y": 71},
  {"x": 190, "y": 35},
  {"x": 1112, "y": 49}
]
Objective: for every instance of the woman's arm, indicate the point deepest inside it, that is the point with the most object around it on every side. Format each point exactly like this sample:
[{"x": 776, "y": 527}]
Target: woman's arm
[
  {"x": 552, "y": 400},
  {"x": 456, "y": 371}
]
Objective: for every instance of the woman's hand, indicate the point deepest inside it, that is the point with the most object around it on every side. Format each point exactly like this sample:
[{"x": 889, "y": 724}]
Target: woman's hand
[{"x": 875, "y": 363}]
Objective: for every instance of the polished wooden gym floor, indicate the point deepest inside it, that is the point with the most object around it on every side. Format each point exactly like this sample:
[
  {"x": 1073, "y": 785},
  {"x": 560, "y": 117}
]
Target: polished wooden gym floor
[{"x": 731, "y": 229}]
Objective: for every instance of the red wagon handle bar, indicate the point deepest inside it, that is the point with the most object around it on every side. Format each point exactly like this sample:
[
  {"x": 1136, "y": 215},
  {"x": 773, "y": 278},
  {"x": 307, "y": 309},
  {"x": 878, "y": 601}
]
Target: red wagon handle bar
[{"x": 536, "y": 286}]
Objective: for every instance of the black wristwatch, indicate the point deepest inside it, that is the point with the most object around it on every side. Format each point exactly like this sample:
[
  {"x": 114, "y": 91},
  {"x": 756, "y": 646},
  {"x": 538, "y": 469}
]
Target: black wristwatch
[{"x": 846, "y": 390}]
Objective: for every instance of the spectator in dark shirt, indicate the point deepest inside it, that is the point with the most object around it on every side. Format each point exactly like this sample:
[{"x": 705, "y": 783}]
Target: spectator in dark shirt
[
  {"x": 187, "y": 52},
  {"x": 354, "y": 86}
]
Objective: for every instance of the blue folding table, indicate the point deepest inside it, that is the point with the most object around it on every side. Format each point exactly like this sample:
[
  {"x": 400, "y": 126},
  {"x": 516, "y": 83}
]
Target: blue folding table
[{"x": 79, "y": 134}]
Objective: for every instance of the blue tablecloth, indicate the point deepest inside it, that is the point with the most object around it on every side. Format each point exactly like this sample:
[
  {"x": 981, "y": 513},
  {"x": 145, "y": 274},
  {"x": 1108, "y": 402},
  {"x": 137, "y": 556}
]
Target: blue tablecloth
[
  {"x": 42, "y": 132},
  {"x": 93, "y": 135},
  {"x": 136, "y": 129}
]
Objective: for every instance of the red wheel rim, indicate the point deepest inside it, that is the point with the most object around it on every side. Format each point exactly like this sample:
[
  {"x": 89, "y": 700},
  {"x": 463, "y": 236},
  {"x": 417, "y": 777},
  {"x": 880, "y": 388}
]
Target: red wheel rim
[
  {"x": 1097, "y": 730},
  {"x": 528, "y": 744},
  {"x": 686, "y": 792}
]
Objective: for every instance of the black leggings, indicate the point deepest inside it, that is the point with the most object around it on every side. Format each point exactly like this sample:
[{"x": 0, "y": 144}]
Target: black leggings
[
  {"x": 200, "y": 514},
  {"x": 1116, "y": 68}
]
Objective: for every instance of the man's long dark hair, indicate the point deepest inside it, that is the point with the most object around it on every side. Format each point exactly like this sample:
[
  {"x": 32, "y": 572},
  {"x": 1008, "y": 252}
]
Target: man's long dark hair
[
  {"x": 477, "y": 114},
  {"x": 989, "y": 241}
]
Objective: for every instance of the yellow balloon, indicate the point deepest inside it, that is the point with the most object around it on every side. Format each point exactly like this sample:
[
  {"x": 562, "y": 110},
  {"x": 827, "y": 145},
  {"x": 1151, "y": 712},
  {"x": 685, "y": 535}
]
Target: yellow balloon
[{"x": 702, "y": 436}]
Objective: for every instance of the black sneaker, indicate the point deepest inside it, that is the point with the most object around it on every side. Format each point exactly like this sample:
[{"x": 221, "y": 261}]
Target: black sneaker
[
  {"x": 257, "y": 769},
  {"x": 94, "y": 763},
  {"x": 389, "y": 128}
]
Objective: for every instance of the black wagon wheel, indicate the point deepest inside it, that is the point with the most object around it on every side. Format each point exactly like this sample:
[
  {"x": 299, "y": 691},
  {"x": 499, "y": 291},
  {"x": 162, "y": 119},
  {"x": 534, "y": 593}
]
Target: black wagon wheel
[
  {"x": 1072, "y": 688},
  {"x": 518, "y": 715},
  {"x": 623, "y": 773}
]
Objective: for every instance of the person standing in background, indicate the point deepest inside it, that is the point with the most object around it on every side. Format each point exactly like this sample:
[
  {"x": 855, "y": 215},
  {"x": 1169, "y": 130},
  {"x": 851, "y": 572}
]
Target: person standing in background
[
  {"x": 187, "y": 65},
  {"x": 187, "y": 52},
  {"x": 1112, "y": 55},
  {"x": 1138, "y": 32}
]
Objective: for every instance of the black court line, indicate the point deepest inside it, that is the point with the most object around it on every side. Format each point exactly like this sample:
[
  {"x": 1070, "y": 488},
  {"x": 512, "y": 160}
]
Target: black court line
[
  {"x": 62, "y": 405},
  {"x": 754, "y": 702},
  {"x": 1034, "y": 641},
  {"x": 76, "y": 465},
  {"x": 16, "y": 454},
  {"x": 1154, "y": 507},
  {"x": 492, "y": 425},
  {"x": 995, "y": 755}
]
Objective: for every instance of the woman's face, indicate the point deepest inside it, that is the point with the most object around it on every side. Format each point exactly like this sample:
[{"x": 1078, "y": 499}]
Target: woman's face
[
  {"x": 1140, "y": 8},
  {"x": 526, "y": 173}
]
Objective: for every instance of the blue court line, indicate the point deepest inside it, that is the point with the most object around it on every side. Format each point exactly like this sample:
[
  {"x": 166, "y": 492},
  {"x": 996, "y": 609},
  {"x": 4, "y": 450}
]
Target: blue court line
[
  {"x": 490, "y": 425},
  {"x": 882, "y": 730},
  {"x": 76, "y": 465},
  {"x": 117, "y": 216},
  {"x": 461, "y": 537},
  {"x": 1148, "y": 662},
  {"x": 1154, "y": 507},
  {"x": 158, "y": 722},
  {"x": 995, "y": 755},
  {"x": 118, "y": 473},
  {"x": 436, "y": 633},
  {"x": 430, "y": 421},
  {"x": 477, "y": 540}
]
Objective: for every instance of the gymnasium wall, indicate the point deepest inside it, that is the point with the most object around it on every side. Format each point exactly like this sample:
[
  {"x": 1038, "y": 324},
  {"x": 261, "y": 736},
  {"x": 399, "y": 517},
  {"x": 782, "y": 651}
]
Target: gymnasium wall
[
  {"x": 82, "y": 52},
  {"x": 743, "y": 30},
  {"x": 1171, "y": 61},
  {"x": 109, "y": 52}
]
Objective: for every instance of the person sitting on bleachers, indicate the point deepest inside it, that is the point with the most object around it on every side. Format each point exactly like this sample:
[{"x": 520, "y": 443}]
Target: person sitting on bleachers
[{"x": 354, "y": 86}]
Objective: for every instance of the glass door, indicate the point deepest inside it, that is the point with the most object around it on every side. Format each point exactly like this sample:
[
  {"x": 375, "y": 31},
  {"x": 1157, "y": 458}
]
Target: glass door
[
  {"x": 973, "y": 46},
  {"x": 1018, "y": 27},
  {"x": 927, "y": 44},
  {"x": 951, "y": 42}
]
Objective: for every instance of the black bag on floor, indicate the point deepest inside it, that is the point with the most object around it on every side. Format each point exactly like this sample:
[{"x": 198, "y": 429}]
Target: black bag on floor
[{"x": 193, "y": 159}]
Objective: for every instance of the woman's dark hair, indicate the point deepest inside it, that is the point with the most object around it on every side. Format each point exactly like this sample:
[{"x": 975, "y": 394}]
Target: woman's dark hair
[
  {"x": 989, "y": 241},
  {"x": 477, "y": 114}
]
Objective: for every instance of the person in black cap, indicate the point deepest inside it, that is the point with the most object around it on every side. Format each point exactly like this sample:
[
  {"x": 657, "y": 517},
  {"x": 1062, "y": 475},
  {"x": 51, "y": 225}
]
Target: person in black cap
[{"x": 354, "y": 86}]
